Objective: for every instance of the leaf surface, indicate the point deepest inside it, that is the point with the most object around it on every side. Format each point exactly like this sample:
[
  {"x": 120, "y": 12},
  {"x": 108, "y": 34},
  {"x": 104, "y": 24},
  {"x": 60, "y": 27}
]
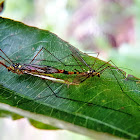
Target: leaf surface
[{"x": 109, "y": 103}]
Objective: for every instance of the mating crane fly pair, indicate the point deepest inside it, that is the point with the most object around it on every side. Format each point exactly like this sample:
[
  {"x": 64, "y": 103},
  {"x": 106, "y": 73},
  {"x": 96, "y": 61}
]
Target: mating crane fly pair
[{"x": 44, "y": 72}]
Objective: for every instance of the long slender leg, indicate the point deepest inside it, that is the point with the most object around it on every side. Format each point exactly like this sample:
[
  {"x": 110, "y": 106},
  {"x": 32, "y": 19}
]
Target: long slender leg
[
  {"x": 80, "y": 60},
  {"x": 57, "y": 61},
  {"x": 97, "y": 70},
  {"x": 103, "y": 65},
  {"x": 54, "y": 56},
  {"x": 4, "y": 65},
  {"x": 6, "y": 56},
  {"x": 73, "y": 100},
  {"x": 101, "y": 71},
  {"x": 95, "y": 60},
  {"x": 60, "y": 59},
  {"x": 76, "y": 70},
  {"x": 77, "y": 55},
  {"x": 53, "y": 93},
  {"x": 88, "y": 103},
  {"x": 5, "y": 60},
  {"x": 117, "y": 68},
  {"x": 51, "y": 54},
  {"x": 110, "y": 66},
  {"x": 36, "y": 55},
  {"x": 120, "y": 71},
  {"x": 57, "y": 58},
  {"x": 77, "y": 62}
]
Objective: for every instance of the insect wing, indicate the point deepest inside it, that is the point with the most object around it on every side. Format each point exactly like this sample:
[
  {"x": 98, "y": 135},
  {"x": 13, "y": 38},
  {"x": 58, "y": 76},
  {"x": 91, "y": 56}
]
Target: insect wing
[
  {"x": 40, "y": 68},
  {"x": 80, "y": 78},
  {"x": 76, "y": 54}
]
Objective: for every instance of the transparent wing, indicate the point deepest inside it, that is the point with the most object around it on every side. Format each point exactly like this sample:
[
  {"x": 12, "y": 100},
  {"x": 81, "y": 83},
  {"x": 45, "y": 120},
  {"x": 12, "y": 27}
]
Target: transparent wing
[{"x": 76, "y": 56}]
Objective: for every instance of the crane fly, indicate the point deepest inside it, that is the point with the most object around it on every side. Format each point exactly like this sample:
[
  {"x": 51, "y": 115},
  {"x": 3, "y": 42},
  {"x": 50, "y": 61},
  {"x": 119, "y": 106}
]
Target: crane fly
[
  {"x": 44, "y": 72},
  {"x": 41, "y": 71},
  {"x": 83, "y": 75}
]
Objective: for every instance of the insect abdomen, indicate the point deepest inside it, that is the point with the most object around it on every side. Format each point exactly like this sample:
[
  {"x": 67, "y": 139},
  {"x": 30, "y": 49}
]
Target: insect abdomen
[{"x": 68, "y": 72}]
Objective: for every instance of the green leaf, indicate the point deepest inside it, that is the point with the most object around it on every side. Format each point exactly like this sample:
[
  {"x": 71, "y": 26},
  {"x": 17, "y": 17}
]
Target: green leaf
[
  {"x": 113, "y": 101},
  {"x": 42, "y": 125},
  {"x": 4, "y": 113}
]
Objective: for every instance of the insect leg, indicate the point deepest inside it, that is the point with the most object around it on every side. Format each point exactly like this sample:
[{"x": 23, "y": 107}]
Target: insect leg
[
  {"x": 84, "y": 102},
  {"x": 6, "y": 56},
  {"x": 5, "y": 60},
  {"x": 77, "y": 55},
  {"x": 52, "y": 55},
  {"x": 101, "y": 71},
  {"x": 4, "y": 65},
  {"x": 95, "y": 59}
]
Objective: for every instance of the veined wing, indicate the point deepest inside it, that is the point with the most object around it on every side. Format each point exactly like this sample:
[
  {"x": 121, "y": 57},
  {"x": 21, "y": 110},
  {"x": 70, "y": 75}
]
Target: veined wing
[
  {"x": 76, "y": 54},
  {"x": 45, "y": 76},
  {"x": 40, "y": 68},
  {"x": 44, "y": 72},
  {"x": 81, "y": 78}
]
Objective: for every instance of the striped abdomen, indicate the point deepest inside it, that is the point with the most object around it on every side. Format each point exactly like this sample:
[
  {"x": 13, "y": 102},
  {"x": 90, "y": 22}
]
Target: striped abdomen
[{"x": 68, "y": 72}]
